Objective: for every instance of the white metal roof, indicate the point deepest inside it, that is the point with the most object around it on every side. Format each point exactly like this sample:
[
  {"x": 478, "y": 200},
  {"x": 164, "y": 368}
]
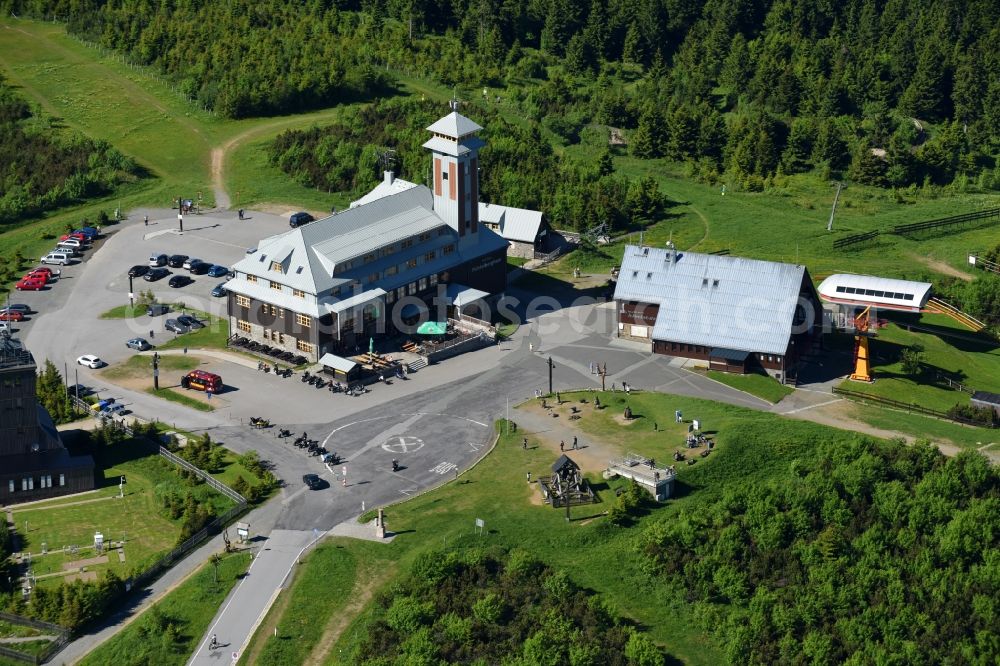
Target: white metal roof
[
  {"x": 459, "y": 295},
  {"x": 389, "y": 185},
  {"x": 888, "y": 293},
  {"x": 712, "y": 300},
  {"x": 454, "y": 125},
  {"x": 516, "y": 224},
  {"x": 358, "y": 299},
  {"x": 456, "y": 148},
  {"x": 337, "y": 362}
]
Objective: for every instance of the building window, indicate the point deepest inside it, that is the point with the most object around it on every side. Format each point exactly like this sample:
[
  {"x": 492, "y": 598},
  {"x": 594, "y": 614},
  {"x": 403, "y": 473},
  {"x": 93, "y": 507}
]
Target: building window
[
  {"x": 448, "y": 249},
  {"x": 406, "y": 243},
  {"x": 370, "y": 257},
  {"x": 277, "y": 267},
  {"x": 390, "y": 296},
  {"x": 411, "y": 288},
  {"x": 387, "y": 250},
  {"x": 444, "y": 175},
  {"x": 62, "y": 479},
  {"x": 251, "y": 278},
  {"x": 304, "y": 346},
  {"x": 275, "y": 285},
  {"x": 434, "y": 279},
  {"x": 412, "y": 263},
  {"x": 429, "y": 256},
  {"x": 298, "y": 293},
  {"x": 426, "y": 236},
  {"x": 400, "y": 292},
  {"x": 392, "y": 270},
  {"x": 303, "y": 320},
  {"x": 281, "y": 338},
  {"x": 10, "y": 486},
  {"x": 243, "y": 325},
  {"x": 422, "y": 284},
  {"x": 373, "y": 277},
  {"x": 348, "y": 323},
  {"x": 242, "y": 301}
]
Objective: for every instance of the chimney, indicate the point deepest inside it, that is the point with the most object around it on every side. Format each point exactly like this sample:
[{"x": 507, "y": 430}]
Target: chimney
[
  {"x": 671, "y": 252},
  {"x": 389, "y": 177}
]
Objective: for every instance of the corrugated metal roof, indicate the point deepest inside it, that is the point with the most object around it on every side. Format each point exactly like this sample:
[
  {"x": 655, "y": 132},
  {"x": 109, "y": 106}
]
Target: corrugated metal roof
[
  {"x": 516, "y": 224},
  {"x": 454, "y": 125},
  {"x": 460, "y": 295},
  {"x": 337, "y": 362},
  {"x": 712, "y": 300},
  {"x": 358, "y": 299},
  {"x": 385, "y": 188}
]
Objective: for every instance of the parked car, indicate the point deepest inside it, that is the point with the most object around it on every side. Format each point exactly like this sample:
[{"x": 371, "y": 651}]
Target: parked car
[
  {"x": 78, "y": 389},
  {"x": 157, "y": 309},
  {"x": 6, "y": 328},
  {"x": 156, "y": 260},
  {"x": 69, "y": 241},
  {"x": 17, "y": 307},
  {"x": 300, "y": 218},
  {"x": 155, "y": 274},
  {"x": 251, "y": 250},
  {"x": 218, "y": 271},
  {"x": 220, "y": 290},
  {"x": 11, "y": 315},
  {"x": 68, "y": 249},
  {"x": 176, "y": 260},
  {"x": 91, "y": 361},
  {"x": 30, "y": 284},
  {"x": 48, "y": 271},
  {"x": 114, "y": 408},
  {"x": 176, "y": 326},
  {"x": 312, "y": 481},
  {"x": 60, "y": 258},
  {"x": 189, "y": 262},
  {"x": 40, "y": 275},
  {"x": 180, "y": 281},
  {"x": 191, "y": 322},
  {"x": 139, "y": 344},
  {"x": 199, "y": 268},
  {"x": 138, "y": 271},
  {"x": 90, "y": 232}
]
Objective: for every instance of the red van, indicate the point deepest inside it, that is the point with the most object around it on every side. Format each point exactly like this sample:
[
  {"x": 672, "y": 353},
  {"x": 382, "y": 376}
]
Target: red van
[{"x": 202, "y": 381}]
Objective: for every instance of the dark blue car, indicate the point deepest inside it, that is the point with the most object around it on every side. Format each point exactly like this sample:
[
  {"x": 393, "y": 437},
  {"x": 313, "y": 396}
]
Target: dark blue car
[
  {"x": 220, "y": 290},
  {"x": 218, "y": 271}
]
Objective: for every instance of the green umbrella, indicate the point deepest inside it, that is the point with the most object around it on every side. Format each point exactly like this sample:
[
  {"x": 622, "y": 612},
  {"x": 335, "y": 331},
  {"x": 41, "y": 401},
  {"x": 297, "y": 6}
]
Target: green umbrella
[{"x": 433, "y": 328}]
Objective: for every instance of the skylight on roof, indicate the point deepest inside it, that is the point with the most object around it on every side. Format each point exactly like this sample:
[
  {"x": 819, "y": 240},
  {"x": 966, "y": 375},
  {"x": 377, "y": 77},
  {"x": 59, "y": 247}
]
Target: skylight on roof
[{"x": 298, "y": 270}]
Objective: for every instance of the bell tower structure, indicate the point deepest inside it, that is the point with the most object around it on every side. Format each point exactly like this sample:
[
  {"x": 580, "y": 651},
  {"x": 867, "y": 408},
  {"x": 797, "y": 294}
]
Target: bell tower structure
[{"x": 454, "y": 148}]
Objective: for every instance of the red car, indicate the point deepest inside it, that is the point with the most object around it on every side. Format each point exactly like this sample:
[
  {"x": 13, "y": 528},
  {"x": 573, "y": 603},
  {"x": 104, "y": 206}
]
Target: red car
[
  {"x": 80, "y": 237},
  {"x": 11, "y": 315},
  {"x": 38, "y": 275},
  {"x": 35, "y": 284},
  {"x": 42, "y": 269}
]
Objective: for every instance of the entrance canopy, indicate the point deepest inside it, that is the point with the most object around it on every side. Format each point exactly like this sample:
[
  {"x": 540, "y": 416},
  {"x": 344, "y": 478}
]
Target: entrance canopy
[
  {"x": 433, "y": 328},
  {"x": 339, "y": 363},
  {"x": 459, "y": 295}
]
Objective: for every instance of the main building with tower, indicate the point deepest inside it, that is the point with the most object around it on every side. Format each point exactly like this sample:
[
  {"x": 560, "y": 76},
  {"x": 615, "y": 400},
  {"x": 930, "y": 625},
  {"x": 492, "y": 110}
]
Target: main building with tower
[{"x": 331, "y": 285}]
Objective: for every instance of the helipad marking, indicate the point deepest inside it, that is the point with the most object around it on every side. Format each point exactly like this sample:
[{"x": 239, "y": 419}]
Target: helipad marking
[
  {"x": 403, "y": 444},
  {"x": 392, "y": 416}
]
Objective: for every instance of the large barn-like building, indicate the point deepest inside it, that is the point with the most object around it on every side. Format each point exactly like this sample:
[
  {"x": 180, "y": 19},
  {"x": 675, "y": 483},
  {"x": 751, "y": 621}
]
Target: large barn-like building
[
  {"x": 731, "y": 313},
  {"x": 331, "y": 285}
]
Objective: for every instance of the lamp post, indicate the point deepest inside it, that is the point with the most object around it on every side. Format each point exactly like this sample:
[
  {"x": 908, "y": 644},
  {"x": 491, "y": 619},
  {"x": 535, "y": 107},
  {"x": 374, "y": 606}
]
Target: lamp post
[
  {"x": 131, "y": 294},
  {"x": 156, "y": 371},
  {"x": 551, "y": 365}
]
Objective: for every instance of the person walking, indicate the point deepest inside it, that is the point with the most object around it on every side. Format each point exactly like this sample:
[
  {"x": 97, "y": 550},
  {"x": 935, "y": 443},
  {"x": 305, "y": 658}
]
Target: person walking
[
  {"x": 145, "y": 220},
  {"x": 562, "y": 445},
  {"x": 574, "y": 442},
  {"x": 213, "y": 642},
  {"x": 524, "y": 444}
]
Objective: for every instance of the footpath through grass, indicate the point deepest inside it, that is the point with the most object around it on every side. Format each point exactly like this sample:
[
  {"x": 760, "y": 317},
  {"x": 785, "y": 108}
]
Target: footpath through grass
[
  {"x": 751, "y": 445},
  {"x": 168, "y": 632}
]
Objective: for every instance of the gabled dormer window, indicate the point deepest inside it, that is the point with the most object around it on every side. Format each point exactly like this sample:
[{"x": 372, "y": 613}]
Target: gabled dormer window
[{"x": 276, "y": 266}]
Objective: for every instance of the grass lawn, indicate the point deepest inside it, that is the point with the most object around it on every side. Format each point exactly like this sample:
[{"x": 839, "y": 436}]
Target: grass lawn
[
  {"x": 758, "y": 384},
  {"x": 189, "y": 608},
  {"x": 515, "y": 262},
  {"x": 181, "y": 399},
  {"x": 966, "y": 437},
  {"x": 140, "y": 366},
  {"x": 973, "y": 360},
  {"x": 750, "y": 444},
  {"x": 136, "y": 518},
  {"x": 124, "y": 312}
]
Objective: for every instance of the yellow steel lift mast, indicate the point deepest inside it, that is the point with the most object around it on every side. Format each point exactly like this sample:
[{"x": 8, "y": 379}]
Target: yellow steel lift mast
[{"x": 862, "y": 357}]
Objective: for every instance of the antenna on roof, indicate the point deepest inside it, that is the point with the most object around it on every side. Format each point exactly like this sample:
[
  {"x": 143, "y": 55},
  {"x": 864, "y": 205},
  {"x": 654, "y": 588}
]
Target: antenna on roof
[
  {"x": 386, "y": 159},
  {"x": 453, "y": 104}
]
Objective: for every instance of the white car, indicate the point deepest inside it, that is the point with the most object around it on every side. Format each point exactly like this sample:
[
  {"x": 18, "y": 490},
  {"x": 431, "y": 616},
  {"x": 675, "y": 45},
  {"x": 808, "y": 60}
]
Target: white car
[
  {"x": 90, "y": 361},
  {"x": 190, "y": 262}
]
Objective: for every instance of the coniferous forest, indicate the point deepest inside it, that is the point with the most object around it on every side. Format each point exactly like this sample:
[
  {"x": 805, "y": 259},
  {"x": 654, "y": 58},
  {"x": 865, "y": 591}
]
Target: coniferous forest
[{"x": 890, "y": 93}]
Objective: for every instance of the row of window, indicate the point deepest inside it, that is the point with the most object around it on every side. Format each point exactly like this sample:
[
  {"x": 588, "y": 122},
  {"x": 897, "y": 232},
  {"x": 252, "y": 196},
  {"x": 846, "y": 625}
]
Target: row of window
[
  {"x": 275, "y": 336},
  {"x": 875, "y": 292},
  {"x": 28, "y": 482},
  {"x": 389, "y": 249},
  {"x": 412, "y": 288}
]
